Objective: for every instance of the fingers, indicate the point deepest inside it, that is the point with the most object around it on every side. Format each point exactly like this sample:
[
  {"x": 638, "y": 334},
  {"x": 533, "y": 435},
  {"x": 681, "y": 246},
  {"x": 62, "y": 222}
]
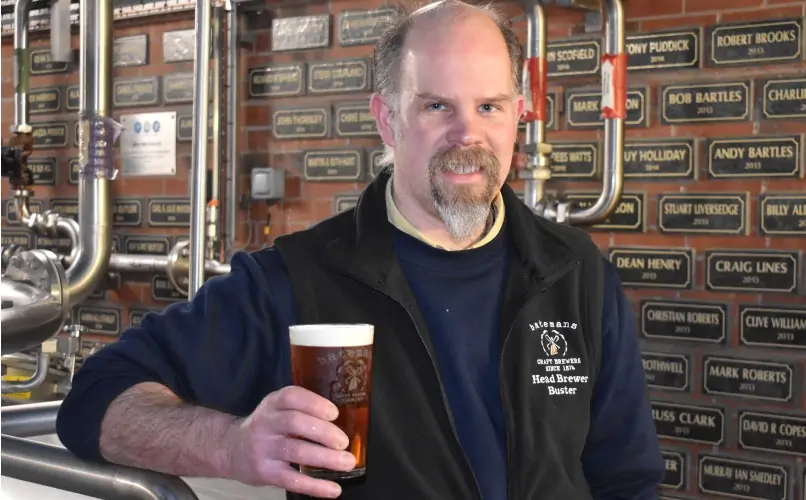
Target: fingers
[
  {"x": 291, "y": 480},
  {"x": 300, "y": 399},
  {"x": 297, "y": 451},
  {"x": 297, "y": 423}
]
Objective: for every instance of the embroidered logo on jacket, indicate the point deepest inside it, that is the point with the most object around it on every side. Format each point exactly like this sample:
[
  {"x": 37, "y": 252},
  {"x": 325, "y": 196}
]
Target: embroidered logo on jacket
[{"x": 556, "y": 369}]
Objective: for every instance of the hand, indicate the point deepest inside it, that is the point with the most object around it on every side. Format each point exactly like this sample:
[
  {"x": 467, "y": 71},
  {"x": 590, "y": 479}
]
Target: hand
[{"x": 292, "y": 425}]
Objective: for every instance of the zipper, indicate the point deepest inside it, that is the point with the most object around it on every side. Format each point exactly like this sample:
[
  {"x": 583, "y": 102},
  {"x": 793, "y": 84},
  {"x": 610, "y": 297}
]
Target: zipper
[{"x": 505, "y": 405}]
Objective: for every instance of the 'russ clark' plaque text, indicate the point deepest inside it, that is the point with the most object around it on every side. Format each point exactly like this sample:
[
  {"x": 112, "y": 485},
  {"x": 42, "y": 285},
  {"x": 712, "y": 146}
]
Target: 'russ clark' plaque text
[
  {"x": 695, "y": 424},
  {"x": 664, "y": 50},
  {"x": 772, "y": 432},
  {"x": 343, "y": 164},
  {"x": 683, "y": 320},
  {"x": 301, "y": 123},
  {"x": 755, "y": 271},
  {"x": 782, "y": 214},
  {"x": 666, "y": 159},
  {"x": 666, "y": 371},
  {"x": 763, "y": 42},
  {"x": 772, "y": 326},
  {"x": 573, "y": 57},
  {"x": 762, "y": 380},
  {"x": 728, "y": 477},
  {"x": 627, "y": 217},
  {"x": 675, "y": 465},
  {"x": 706, "y": 102},
  {"x": 723, "y": 213},
  {"x": 744, "y": 157},
  {"x": 575, "y": 160},
  {"x": 785, "y": 98},
  {"x": 654, "y": 268},
  {"x": 583, "y": 108},
  {"x": 278, "y": 80}
]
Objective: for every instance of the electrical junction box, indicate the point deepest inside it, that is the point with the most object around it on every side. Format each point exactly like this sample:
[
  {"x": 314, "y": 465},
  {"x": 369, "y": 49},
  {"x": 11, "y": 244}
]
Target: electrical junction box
[{"x": 268, "y": 184}]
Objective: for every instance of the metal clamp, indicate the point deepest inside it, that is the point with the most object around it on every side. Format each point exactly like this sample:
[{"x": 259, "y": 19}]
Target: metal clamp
[{"x": 179, "y": 251}]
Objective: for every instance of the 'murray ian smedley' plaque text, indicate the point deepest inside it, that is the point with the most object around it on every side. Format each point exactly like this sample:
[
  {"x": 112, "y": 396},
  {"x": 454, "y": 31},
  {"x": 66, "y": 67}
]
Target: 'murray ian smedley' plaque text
[{"x": 734, "y": 478}]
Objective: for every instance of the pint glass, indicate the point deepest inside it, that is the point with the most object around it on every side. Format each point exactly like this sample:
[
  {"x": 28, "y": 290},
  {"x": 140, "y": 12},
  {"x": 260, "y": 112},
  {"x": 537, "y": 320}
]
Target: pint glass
[{"x": 335, "y": 361}]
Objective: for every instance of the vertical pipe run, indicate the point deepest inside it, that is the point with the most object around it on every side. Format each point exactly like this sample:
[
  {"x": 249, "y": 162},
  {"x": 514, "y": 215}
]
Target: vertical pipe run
[
  {"x": 21, "y": 62},
  {"x": 94, "y": 189},
  {"x": 201, "y": 99},
  {"x": 232, "y": 127},
  {"x": 213, "y": 208},
  {"x": 535, "y": 129}
]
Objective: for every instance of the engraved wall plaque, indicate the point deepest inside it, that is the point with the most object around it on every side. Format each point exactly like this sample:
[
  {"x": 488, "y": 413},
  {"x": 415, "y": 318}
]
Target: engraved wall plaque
[
  {"x": 376, "y": 163},
  {"x": 177, "y": 88},
  {"x": 552, "y": 97},
  {"x": 354, "y": 119},
  {"x": 302, "y": 32},
  {"x": 135, "y": 92},
  {"x": 301, "y": 123},
  {"x": 745, "y": 157},
  {"x": 168, "y": 212},
  {"x": 654, "y": 268},
  {"x": 772, "y": 326},
  {"x": 664, "y": 50},
  {"x": 364, "y": 27},
  {"x": 99, "y": 320},
  {"x": 627, "y": 217},
  {"x": 22, "y": 239},
  {"x": 49, "y": 135},
  {"x": 760, "y": 380},
  {"x": 73, "y": 100},
  {"x": 342, "y": 202},
  {"x": 60, "y": 245},
  {"x": 723, "y": 213},
  {"x": 43, "y": 64},
  {"x": 729, "y": 477},
  {"x": 147, "y": 245},
  {"x": 73, "y": 167},
  {"x": 573, "y": 57},
  {"x": 706, "y": 102},
  {"x": 666, "y": 371},
  {"x": 781, "y": 214},
  {"x": 44, "y": 101},
  {"x": 338, "y": 164},
  {"x": 583, "y": 108},
  {"x": 752, "y": 43},
  {"x": 43, "y": 170},
  {"x": 136, "y": 316},
  {"x": 130, "y": 51},
  {"x": 184, "y": 126},
  {"x": 277, "y": 80},
  {"x": 575, "y": 160},
  {"x": 34, "y": 205},
  {"x": 774, "y": 433},
  {"x": 67, "y": 207},
  {"x": 694, "y": 424},
  {"x": 676, "y": 469},
  {"x": 665, "y": 159},
  {"x": 163, "y": 290},
  {"x": 753, "y": 271},
  {"x": 683, "y": 320},
  {"x": 345, "y": 75},
  {"x": 785, "y": 98},
  {"x": 179, "y": 45},
  {"x": 127, "y": 212}
]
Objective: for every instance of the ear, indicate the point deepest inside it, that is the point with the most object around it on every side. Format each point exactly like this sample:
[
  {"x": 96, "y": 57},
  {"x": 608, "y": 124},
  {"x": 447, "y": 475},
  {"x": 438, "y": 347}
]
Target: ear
[
  {"x": 520, "y": 106},
  {"x": 383, "y": 118}
]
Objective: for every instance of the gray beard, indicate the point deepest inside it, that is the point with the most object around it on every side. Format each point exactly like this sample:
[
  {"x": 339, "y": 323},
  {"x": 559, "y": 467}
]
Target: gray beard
[{"x": 463, "y": 220}]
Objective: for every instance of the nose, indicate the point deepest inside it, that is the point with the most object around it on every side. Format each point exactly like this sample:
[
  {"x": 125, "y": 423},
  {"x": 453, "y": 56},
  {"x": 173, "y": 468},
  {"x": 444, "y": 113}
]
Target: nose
[{"x": 465, "y": 129}]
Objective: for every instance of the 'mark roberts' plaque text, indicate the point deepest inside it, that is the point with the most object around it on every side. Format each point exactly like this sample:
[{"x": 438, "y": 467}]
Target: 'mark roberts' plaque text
[
  {"x": 695, "y": 424},
  {"x": 764, "y": 42},
  {"x": 666, "y": 371},
  {"x": 782, "y": 214},
  {"x": 654, "y": 268},
  {"x": 772, "y": 432},
  {"x": 762, "y": 380},
  {"x": 772, "y": 326},
  {"x": 742, "y": 479},
  {"x": 681, "y": 320},
  {"x": 723, "y": 213},
  {"x": 759, "y": 271},
  {"x": 671, "y": 159},
  {"x": 706, "y": 102},
  {"x": 744, "y": 157}
]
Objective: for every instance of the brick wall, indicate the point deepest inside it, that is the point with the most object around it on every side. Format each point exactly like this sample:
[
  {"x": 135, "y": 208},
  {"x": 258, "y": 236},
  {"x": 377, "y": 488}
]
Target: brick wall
[{"x": 691, "y": 318}]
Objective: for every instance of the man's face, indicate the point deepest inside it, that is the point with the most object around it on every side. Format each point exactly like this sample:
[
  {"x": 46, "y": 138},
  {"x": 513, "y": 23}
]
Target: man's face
[{"x": 457, "y": 123}]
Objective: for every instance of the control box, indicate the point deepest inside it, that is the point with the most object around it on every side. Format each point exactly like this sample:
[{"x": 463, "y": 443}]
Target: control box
[{"x": 268, "y": 184}]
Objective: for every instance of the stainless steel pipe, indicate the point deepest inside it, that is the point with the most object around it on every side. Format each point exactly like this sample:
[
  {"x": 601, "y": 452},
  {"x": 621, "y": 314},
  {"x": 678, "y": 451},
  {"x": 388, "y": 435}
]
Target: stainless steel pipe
[
  {"x": 233, "y": 37},
  {"x": 56, "y": 467},
  {"x": 536, "y": 34},
  {"x": 36, "y": 380},
  {"x": 201, "y": 99},
  {"x": 21, "y": 66},
  {"x": 30, "y": 420}
]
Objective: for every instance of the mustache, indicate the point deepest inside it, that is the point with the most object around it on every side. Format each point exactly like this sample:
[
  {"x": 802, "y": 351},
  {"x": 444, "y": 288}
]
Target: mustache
[{"x": 454, "y": 157}]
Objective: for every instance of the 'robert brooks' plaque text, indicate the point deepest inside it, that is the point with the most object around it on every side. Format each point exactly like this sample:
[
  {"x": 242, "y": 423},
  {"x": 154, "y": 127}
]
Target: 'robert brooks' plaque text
[
  {"x": 746, "y": 378},
  {"x": 785, "y": 98},
  {"x": 674, "y": 476},
  {"x": 44, "y": 101},
  {"x": 575, "y": 160},
  {"x": 569, "y": 58},
  {"x": 102, "y": 320},
  {"x": 742, "y": 157},
  {"x": 50, "y": 135},
  {"x": 696, "y": 424},
  {"x": 354, "y": 120},
  {"x": 759, "y": 271},
  {"x": 767, "y": 326},
  {"x": 742, "y": 479},
  {"x": 654, "y": 268},
  {"x": 706, "y": 102},
  {"x": 772, "y": 432},
  {"x": 583, "y": 108},
  {"x": 782, "y": 214},
  {"x": 681, "y": 320},
  {"x": 724, "y": 213},
  {"x": 135, "y": 92},
  {"x": 301, "y": 32},
  {"x": 664, "y": 50},
  {"x": 364, "y": 27},
  {"x": 333, "y": 165},
  {"x": 671, "y": 159},
  {"x": 764, "y": 42},
  {"x": 627, "y": 217},
  {"x": 279, "y": 80},
  {"x": 301, "y": 123},
  {"x": 665, "y": 371},
  {"x": 43, "y": 170},
  {"x": 168, "y": 212},
  {"x": 346, "y": 75}
]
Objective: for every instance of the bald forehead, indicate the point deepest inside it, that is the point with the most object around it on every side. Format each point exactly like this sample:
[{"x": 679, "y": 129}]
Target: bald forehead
[{"x": 443, "y": 15}]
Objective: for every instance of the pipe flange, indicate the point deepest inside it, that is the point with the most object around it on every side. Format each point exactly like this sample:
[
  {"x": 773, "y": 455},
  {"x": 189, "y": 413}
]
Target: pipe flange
[{"x": 174, "y": 255}]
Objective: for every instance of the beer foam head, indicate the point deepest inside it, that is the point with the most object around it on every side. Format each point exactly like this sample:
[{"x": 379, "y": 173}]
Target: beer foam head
[{"x": 332, "y": 335}]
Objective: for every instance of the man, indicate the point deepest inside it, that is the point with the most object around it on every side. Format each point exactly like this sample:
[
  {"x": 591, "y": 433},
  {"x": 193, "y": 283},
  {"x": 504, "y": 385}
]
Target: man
[{"x": 505, "y": 362}]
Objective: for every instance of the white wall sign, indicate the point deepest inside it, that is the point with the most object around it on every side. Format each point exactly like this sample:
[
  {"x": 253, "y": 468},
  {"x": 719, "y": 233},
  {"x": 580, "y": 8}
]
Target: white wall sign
[{"x": 148, "y": 144}]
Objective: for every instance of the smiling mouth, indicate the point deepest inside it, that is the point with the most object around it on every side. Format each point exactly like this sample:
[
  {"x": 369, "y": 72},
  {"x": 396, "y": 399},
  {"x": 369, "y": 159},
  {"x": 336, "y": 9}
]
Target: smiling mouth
[{"x": 465, "y": 170}]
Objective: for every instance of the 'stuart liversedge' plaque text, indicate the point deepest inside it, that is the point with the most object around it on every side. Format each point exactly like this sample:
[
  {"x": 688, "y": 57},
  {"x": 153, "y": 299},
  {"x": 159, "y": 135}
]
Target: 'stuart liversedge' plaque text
[
  {"x": 665, "y": 159},
  {"x": 343, "y": 164},
  {"x": 744, "y": 157},
  {"x": 583, "y": 108},
  {"x": 772, "y": 432},
  {"x": 762, "y": 380},
  {"x": 723, "y": 213},
  {"x": 728, "y": 477},
  {"x": 354, "y": 119},
  {"x": 346, "y": 75},
  {"x": 664, "y": 50},
  {"x": 782, "y": 214},
  {"x": 675, "y": 464},
  {"x": 682, "y": 320},
  {"x": 627, "y": 217},
  {"x": 762, "y": 42},
  {"x": 302, "y": 32},
  {"x": 696, "y": 424},
  {"x": 706, "y": 102},
  {"x": 278, "y": 80},
  {"x": 752, "y": 271},
  {"x": 666, "y": 371},
  {"x": 573, "y": 57},
  {"x": 785, "y": 98},
  {"x": 575, "y": 160},
  {"x": 772, "y": 326},
  {"x": 654, "y": 268},
  {"x": 301, "y": 123}
]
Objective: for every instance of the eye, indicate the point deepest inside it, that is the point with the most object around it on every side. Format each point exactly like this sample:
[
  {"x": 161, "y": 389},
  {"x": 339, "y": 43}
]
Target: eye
[
  {"x": 487, "y": 108},
  {"x": 436, "y": 106}
]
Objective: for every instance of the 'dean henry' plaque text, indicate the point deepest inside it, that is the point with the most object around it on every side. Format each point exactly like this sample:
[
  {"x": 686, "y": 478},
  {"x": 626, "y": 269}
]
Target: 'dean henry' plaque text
[
  {"x": 772, "y": 326},
  {"x": 682, "y": 320},
  {"x": 742, "y": 479},
  {"x": 654, "y": 268},
  {"x": 759, "y": 271},
  {"x": 697, "y": 424}
]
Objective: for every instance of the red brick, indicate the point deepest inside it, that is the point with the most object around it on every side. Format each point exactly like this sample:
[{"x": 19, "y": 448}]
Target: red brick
[
  {"x": 714, "y": 5},
  {"x": 678, "y": 22},
  {"x": 777, "y": 12}
]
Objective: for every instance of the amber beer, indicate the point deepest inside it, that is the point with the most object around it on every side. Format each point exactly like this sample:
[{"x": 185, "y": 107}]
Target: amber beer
[{"x": 335, "y": 361}]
